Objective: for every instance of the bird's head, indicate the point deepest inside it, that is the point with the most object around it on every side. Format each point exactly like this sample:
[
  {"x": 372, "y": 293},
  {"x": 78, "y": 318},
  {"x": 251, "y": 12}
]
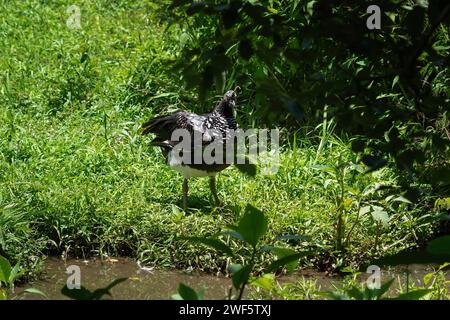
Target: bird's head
[
  {"x": 230, "y": 95},
  {"x": 226, "y": 106}
]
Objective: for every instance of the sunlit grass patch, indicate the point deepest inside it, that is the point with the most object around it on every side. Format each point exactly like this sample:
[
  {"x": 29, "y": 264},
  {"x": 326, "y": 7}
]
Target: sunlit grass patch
[{"x": 76, "y": 178}]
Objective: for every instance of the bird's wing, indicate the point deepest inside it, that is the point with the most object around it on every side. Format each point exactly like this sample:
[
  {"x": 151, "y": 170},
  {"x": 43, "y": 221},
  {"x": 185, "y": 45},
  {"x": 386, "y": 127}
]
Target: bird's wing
[
  {"x": 164, "y": 126},
  {"x": 206, "y": 125}
]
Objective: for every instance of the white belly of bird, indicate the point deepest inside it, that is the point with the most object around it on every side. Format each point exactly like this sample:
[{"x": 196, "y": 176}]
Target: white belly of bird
[{"x": 176, "y": 164}]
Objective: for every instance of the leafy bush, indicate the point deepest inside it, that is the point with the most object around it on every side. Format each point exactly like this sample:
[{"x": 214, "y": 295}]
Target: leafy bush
[{"x": 390, "y": 87}]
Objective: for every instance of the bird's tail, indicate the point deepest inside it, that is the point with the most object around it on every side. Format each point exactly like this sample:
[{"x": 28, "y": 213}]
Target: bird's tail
[
  {"x": 165, "y": 144},
  {"x": 158, "y": 124}
]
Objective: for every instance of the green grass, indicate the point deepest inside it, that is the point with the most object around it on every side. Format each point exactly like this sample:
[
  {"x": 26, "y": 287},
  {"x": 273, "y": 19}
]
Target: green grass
[{"x": 77, "y": 179}]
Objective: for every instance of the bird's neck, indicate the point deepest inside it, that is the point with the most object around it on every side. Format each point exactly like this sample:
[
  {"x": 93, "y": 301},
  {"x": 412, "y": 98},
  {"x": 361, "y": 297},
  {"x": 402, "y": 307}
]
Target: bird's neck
[{"x": 225, "y": 109}]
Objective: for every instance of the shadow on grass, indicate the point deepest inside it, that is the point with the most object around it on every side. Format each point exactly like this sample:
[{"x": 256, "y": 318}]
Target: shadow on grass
[
  {"x": 197, "y": 204},
  {"x": 204, "y": 206}
]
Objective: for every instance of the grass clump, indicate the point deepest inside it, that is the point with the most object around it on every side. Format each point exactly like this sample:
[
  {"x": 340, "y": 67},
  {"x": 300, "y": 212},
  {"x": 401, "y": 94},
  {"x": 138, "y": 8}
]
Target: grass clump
[{"x": 77, "y": 179}]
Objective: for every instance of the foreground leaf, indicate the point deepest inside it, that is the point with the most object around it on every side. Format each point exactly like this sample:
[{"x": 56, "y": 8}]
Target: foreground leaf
[
  {"x": 413, "y": 295},
  {"x": 15, "y": 274},
  {"x": 241, "y": 276},
  {"x": 405, "y": 258},
  {"x": 186, "y": 292},
  {"x": 378, "y": 293},
  {"x": 5, "y": 270},
  {"x": 213, "y": 243},
  {"x": 277, "y": 264},
  {"x": 439, "y": 246},
  {"x": 252, "y": 226},
  {"x": 266, "y": 281}
]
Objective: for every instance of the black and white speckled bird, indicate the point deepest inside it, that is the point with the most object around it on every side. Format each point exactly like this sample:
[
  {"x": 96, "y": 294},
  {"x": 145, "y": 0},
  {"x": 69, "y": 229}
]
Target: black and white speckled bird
[{"x": 212, "y": 127}]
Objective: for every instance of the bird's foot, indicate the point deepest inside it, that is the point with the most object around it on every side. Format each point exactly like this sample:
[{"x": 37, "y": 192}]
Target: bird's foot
[{"x": 219, "y": 204}]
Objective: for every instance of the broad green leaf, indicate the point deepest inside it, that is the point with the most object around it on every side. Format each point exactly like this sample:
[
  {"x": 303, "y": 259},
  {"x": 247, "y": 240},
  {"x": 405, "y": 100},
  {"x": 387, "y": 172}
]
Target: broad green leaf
[
  {"x": 281, "y": 252},
  {"x": 186, "y": 292},
  {"x": 413, "y": 295},
  {"x": 241, "y": 276},
  {"x": 355, "y": 293},
  {"x": 285, "y": 252},
  {"x": 443, "y": 266},
  {"x": 439, "y": 246},
  {"x": 234, "y": 234},
  {"x": 284, "y": 261},
  {"x": 14, "y": 273},
  {"x": 252, "y": 226},
  {"x": 347, "y": 203},
  {"x": 213, "y": 243},
  {"x": 234, "y": 267},
  {"x": 3, "y": 295},
  {"x": 378, "y": 293},
  {"x": 201, "y": 294},
  {"x": 176, "y": 296},
  {"x": 402, "y": 199},
  {"x": 337, "y": 296},
  {"x": 411, "y": 257},
  {"x": 5, "y": 270},
  {"x": 427, "y": 278},
  {"x": 266, "y": 281}
]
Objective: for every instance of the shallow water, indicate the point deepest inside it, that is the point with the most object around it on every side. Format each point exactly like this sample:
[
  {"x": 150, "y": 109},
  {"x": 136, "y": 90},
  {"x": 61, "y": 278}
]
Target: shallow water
[
  {"x": 148, "y": 284},
  {"x": 142, "y": 284}
]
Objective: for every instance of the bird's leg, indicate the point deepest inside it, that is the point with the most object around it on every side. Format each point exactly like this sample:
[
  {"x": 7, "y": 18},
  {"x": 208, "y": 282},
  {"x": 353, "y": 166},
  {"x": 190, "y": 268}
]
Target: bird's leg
[
  {"x": 212, "y": 186},
  {"x": 185, "y": 194}
]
